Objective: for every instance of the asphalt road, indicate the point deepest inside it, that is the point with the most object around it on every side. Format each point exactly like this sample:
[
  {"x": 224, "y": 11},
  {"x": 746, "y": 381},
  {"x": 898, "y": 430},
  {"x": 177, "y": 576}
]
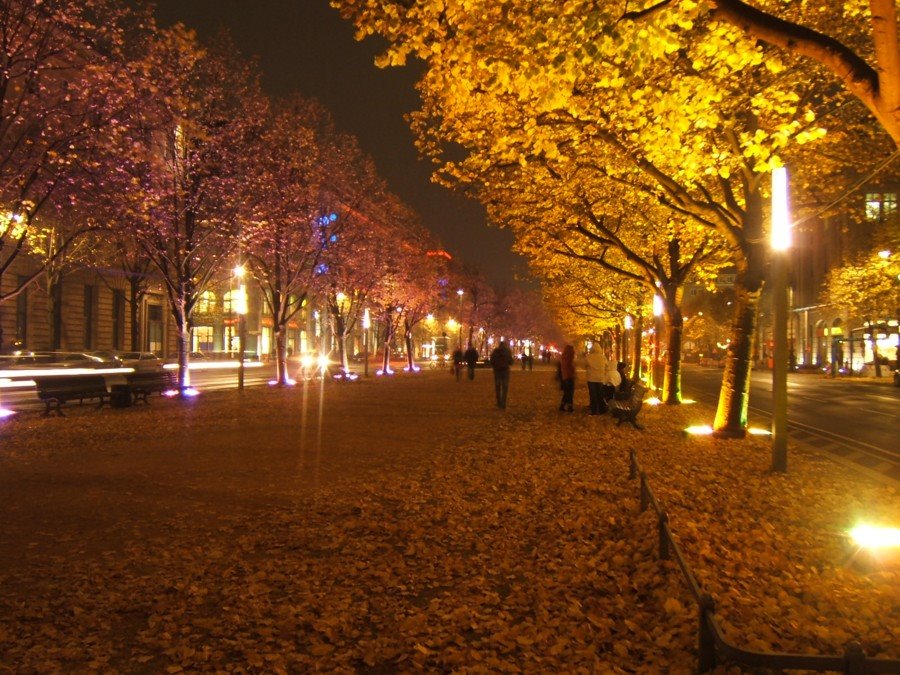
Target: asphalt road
[{"x": 860, "y": 416}]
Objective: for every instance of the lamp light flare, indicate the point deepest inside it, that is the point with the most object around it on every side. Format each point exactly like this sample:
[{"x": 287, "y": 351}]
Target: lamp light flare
[
  {"x": 781, "y": 222},
  {"x": 876, "y": 537}
]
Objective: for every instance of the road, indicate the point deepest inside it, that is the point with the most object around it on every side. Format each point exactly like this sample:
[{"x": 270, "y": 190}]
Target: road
[{"x": 853, "y": 418}]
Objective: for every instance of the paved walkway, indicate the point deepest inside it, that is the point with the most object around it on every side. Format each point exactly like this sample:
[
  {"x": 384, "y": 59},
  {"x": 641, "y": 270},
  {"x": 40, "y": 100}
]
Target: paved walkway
[{"x": 376, "y": 526}]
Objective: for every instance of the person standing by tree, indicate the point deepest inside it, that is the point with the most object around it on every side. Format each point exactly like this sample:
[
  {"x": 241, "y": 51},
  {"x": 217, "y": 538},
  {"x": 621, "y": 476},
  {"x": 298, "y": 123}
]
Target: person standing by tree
[
  {"x": 567, "y": 378},
  {"x": 597, "y": 367},
  {"x": 471, "y": 357},
  {"x": 501, "y": 360}
]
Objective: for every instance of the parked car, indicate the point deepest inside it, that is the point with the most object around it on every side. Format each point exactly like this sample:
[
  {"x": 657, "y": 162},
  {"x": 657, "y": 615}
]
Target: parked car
[
  {"x": 26, "y": 360},
  {"x": 140, "y": 360}
]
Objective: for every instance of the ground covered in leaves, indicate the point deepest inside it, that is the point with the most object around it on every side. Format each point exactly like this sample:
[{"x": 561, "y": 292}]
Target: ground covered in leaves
[{"x": 408, "y": 524}]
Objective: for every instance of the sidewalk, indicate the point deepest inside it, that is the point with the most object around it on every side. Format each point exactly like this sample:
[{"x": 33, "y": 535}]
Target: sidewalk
[{"x": 416, "y": 527}]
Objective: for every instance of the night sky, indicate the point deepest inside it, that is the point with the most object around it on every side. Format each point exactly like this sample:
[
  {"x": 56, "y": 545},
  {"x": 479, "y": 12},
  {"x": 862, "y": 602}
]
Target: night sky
[{"x": 304, "y": 46}]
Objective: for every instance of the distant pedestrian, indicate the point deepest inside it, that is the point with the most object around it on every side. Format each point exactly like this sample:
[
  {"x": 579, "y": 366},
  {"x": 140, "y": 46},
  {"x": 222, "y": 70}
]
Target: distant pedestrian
[
  {"x": 458, "y": 361},
  {"x": 471, "y": 357},
  {"x": 567, "y": 378},
  {"x": 501, "y": 361}
]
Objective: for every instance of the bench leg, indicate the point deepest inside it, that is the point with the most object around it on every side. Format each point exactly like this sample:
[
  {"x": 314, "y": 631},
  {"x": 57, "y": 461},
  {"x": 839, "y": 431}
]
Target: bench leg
[{"x": 56, "y": 405}]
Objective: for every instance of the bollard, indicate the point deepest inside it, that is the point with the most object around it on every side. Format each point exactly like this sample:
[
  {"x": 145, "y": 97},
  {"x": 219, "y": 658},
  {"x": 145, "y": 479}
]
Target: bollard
[
  {"x": 663, "y": 536},
  {"x": 854, "y": 659},
  {"x": 632, "y": 467},
  {"x": 645, "y": 497},
  {"x": 706, "y": 647}
]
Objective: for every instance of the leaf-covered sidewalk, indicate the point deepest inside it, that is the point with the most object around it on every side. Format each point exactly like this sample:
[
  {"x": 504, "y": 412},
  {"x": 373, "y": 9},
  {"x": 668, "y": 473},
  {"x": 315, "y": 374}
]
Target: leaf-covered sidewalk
[{"x": 408, "y": 524}]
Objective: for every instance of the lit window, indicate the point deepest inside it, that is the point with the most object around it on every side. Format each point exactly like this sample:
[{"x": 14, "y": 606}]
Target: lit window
[
  {"x": 206, "y": 303},
  {"x": 880, "y": 206}
]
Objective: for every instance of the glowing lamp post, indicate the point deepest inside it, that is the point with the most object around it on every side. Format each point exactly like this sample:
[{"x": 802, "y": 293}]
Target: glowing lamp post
[
  {"x": 459, "y": 293},
  {"x": 781, "y": 242},
  {"x": 240, "y": 308},
  {"x": 657, "y": 313},
  {"x": 367, "y": 324},
  {"x": 628, "y": 323}
]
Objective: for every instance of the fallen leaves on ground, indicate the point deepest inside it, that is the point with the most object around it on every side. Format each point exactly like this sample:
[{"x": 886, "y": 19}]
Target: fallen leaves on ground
[{"x": 416, "y": 528}]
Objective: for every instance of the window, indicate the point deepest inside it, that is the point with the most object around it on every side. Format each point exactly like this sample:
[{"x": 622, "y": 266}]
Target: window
[
  {"x": 202, "y": 339},
  {"x": 154, "y": 328},
  {"x": 880, "y": 206},
  {"x": 206, "y": 303}
]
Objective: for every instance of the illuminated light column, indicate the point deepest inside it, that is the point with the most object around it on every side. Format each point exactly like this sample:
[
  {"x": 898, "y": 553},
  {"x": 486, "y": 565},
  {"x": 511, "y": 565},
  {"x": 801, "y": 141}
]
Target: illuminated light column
[
  {"x": 367, "y": 324},
  {"x": 780, "y": 242},
  {"x": 459, "y": 334},
  {"x": 240, "y": 308},
  {"x": 657, "y": 313},
  {"x": 628, "y": 322}
]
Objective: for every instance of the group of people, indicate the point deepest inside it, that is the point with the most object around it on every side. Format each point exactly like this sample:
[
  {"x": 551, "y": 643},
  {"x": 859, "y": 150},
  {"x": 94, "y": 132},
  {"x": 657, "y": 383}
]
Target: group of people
[{"x": 604, "y": 379}]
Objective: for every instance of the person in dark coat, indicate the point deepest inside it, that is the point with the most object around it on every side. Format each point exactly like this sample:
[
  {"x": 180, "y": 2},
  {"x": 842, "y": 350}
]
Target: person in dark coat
[
  {"x": 501, "y": 361},
  {"x": 567, "y": 378},
  {"x": 458, "y": 362},
  {"x": 471, "y": 357}
]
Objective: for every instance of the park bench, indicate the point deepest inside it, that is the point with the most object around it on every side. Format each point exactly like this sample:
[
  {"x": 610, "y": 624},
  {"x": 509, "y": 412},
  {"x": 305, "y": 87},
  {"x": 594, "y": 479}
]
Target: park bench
[
  {"x": 627, "y": 410},
  {"x": 145, "y": 382},
  {"x": 55, "y": 390}
]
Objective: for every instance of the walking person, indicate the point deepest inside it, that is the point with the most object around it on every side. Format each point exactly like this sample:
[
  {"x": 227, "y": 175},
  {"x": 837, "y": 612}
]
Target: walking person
[
  {"x": 597, "y": 373},
  {"x": 501, "y": 361},
  {"x": 458, "y": 362},
  {"x": 471, "y": 357},
  {"x": 567, "y": 378}
]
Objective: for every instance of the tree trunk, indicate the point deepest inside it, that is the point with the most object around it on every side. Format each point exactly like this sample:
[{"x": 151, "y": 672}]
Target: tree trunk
[
  {"x": 281, "y": 368},
  {"x": 386, "y": 355},
  {"x": 408, "y": 340},
  {"x": 874, "y": 341},
  {"x": 672, "y": 379},
  {"x": 184, "y": 347},
  {"x": 731, "y": 415},
  {"x": 343, "y": 357}
]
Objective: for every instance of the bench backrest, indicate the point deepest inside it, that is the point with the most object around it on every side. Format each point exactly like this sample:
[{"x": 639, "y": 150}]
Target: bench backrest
[
  {"x": 637, "y": 395},
  {"x": 53, "y": 384}
]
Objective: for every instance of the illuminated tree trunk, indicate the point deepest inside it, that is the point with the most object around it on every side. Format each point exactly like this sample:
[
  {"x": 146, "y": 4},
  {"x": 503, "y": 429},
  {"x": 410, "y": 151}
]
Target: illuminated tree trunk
[
  {"x": 636, "y": 366},
  {"x": 408, "y": 340},
  {"x": 281, "y": 370},
  {"x": 674, "y": 332},
  {"x": 731, "y": 415}
]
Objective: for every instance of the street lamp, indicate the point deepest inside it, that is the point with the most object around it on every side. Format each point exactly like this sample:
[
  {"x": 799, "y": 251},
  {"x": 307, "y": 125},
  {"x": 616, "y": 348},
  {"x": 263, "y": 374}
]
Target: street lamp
[
  {"x": 367, "y": 324},
  {"x": 657, "y": 312},
  {"x": 628, "y": 323},
  {"x": 240, "y": 308},
  {"x": 780, "y": 242},
  {"x": 459, "y": 293}
]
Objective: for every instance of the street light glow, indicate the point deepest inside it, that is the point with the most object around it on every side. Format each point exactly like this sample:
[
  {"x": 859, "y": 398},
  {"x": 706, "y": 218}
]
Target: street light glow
[
  {"x": 875, "y": 537},
  {"x": 781, "y": 224}
]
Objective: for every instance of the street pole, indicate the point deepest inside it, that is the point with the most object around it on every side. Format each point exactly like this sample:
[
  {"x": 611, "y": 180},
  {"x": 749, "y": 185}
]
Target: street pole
[
  {"x": 781, "y": 241},
  {"x": 239, "y": 304},
  {"x": 459, "y": 332},
  {"x": 367, "y": 323}
]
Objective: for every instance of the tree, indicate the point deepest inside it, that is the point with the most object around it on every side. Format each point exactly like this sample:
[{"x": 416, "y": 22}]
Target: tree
[
  {"x": 193, "y": 168},
  {"x": 869, "y": 285},
  {"x": 63, "y": 89},
  {"x": 690, "y": 115},
  {"x": 309, "y": 180},
  {"x": 857, "y": 45}
]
